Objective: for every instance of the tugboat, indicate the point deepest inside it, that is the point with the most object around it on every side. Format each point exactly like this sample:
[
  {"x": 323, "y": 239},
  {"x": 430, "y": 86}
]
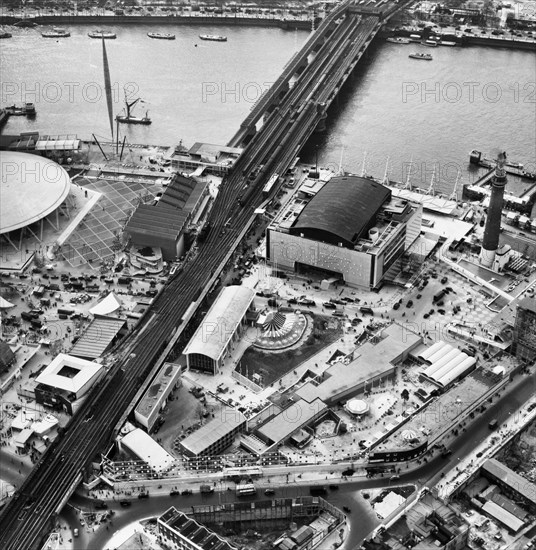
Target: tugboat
[
  {"x": 102, "y": 34},
  {"x": 4, "y": 34},
  {"x": 28, "y": 109},
  {"x": 129, "y": 118},
  {"x": 213, "y": 37},
  {"x": 398, "y": 40},
  {"x": 56, "y": 32},
  {"x": 425, "y": 56},
  {"x": 165, "y": 36}
]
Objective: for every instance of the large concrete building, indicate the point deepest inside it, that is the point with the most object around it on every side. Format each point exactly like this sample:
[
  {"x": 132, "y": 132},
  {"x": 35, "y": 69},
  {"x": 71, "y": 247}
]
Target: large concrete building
[
  {"x": 65, "y": 381},
  {"x": 352, "y": 229},
  {"x": 223, "y": 325}
]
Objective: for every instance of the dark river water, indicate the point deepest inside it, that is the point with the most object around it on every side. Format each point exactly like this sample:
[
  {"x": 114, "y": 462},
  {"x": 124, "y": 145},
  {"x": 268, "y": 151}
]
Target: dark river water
[{"x": 427, "y": 114}]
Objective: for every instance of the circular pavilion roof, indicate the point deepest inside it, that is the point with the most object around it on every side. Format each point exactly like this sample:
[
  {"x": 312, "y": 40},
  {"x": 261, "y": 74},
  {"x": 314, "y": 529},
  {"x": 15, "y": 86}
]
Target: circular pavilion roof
[
  {"x": 357, "y": 406},
  {"x": 409, "y": 435},
  {"x": 30, "y": 189}
]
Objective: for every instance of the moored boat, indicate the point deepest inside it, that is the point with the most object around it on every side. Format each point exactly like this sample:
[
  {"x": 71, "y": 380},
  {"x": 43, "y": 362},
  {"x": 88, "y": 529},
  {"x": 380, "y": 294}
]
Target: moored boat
[
  {"x": 28, "y": 109},
  {"x": 431, "y": 43},
  {"x": 161, "y": 36},
  {"x": 447, "y": 43},
  {"x": 129, "y": 118},
  {"x": 425, "y": 56},
  {"x": 398, "y": 40},
  {"x": 213, "y": 37},
  {"x": 56, "y": 32},
  {"x": 101, "y": 34}
]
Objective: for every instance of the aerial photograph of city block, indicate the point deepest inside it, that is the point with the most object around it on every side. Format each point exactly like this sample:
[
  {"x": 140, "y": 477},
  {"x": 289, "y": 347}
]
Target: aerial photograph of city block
[{"x": 267, "y": 278}]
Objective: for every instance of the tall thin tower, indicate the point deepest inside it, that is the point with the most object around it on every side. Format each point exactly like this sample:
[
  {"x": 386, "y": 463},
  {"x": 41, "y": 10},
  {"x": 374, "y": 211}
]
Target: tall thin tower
[{"x": 493, "y": 220}]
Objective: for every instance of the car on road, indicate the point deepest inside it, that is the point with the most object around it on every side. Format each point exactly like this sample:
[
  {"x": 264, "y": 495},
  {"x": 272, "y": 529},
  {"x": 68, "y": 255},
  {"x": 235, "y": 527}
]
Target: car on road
[
  {"x": 125, "y": 503},
  {"x": 143, "y": 495},
  {"x": 75, "y": 532},
  {"x": 268, "y": 492},
  {"x": 186, "y": 492},
  {"x": 330, "y": 305},
  {"x": 394, "y": 478},
  {"x": 334, "y": 487}
]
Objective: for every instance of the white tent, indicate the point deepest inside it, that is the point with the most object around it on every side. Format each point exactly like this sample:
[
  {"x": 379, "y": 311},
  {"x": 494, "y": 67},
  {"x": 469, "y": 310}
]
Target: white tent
[
  {"x": 4, "y": 304},
  {"x": 106, "y": 306}
]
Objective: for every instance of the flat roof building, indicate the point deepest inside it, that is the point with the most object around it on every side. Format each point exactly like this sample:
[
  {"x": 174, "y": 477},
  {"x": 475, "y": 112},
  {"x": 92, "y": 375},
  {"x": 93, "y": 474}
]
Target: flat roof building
[
  {"x": 147, "y": 449},
  {"x": 155, "y": 398},
  {"x": 65, "y": 380},
  {"x": 222, "y": 326},
  {"x": 179, "y": 532},
  {"x": 351, "y": 228},
  {"x": 371, "y": 363},
  {"x": 207, "y": 157},
  {"x": 215, "y": 436}
]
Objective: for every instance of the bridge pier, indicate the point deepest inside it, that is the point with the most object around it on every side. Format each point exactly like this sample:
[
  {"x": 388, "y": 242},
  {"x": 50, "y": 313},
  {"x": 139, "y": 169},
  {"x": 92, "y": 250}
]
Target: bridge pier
[{"x": 321, "y": 110}]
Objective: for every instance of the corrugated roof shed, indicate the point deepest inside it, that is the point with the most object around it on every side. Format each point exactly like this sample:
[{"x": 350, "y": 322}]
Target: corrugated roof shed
[
  {"x": 165, "y": 221},
  {"x": 518, "y": 483},
  {"x": 502, "y": 515},
  {"x": 97, "y": 337}
]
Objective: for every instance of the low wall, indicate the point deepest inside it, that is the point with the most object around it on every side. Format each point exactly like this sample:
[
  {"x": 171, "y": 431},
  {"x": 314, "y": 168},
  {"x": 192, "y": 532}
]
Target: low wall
[{"x": 160, "y": 20}]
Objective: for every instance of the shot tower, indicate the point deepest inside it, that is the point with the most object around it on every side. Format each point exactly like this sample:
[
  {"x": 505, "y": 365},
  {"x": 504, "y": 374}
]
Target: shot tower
[{"x": 490, "y": 244}]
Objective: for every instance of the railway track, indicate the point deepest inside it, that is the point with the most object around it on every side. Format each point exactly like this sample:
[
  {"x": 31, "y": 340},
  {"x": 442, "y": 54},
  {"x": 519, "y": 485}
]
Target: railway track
[{"x": 27, "y": 515}]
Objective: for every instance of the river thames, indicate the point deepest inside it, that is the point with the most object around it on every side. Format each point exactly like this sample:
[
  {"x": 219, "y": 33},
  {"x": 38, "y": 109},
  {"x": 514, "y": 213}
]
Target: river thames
[{"x": 429, "y": 114}]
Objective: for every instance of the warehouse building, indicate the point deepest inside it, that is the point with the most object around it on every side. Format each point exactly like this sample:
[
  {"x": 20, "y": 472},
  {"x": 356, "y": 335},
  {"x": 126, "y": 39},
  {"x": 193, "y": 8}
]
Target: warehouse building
[
  {"x": 163, "y": 224},
  {"x": 511, "y": 483},
  {"x": 351, "y": 229},
  {"x": 222, "y": 326}
]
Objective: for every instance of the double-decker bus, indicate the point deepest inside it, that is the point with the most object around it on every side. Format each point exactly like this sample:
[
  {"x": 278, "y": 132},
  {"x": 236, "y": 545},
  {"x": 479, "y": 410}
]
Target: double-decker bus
[{"x": 245, "y": 490}]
